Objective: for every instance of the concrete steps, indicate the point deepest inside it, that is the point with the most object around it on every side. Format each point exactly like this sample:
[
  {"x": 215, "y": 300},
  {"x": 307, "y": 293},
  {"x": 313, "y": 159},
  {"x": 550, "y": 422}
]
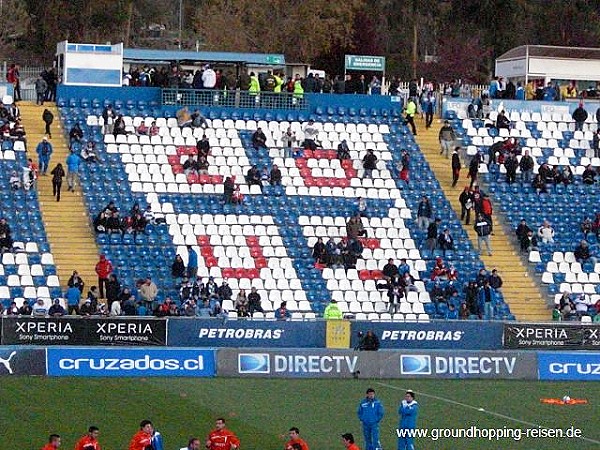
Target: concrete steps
[
  {"x": 67, "y": 225},
  {"x": 520, "y": 291}
]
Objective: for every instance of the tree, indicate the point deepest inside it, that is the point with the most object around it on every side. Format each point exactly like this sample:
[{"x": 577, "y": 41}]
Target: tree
[
  {"x": 52, "y": 21},
  {"x": 14, "y": 22},
  {"x": 302, "y": 30},
  {"x": 572, "y": 23},
  {"x": 458, "y": 58},
  {"x": 493, "y": 22}
]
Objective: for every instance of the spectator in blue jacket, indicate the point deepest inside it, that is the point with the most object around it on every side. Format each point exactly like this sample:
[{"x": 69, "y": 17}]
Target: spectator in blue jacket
[
  {"x": 424, "y": 213},
  {"x": 192, "y": 268},
  {"x": 370, "y": 412},
  {"x": 44, "y": 151},
  {"x": 282, "y": 313},
  {"x": 428, "y": 108},
  {"x": 485, "y": 298},
  {"x": 73, "y": 161},
  {"x": 73, "y": 297},
  {"x": 408, "y": 411}
]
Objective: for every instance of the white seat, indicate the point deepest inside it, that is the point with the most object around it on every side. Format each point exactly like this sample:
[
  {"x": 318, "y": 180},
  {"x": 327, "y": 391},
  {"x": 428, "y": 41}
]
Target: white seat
[{"x": 53, "y": 281}]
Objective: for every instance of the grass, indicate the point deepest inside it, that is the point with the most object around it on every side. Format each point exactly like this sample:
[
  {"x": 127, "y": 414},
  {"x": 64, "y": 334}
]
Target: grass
[{"x": 261, "y": 410}]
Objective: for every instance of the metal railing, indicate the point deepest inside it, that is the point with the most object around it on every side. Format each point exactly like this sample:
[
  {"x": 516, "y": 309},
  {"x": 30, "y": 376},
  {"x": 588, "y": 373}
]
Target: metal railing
[
  {"x": 234, "y": 99},
  {"x": 27, "y": 77}
]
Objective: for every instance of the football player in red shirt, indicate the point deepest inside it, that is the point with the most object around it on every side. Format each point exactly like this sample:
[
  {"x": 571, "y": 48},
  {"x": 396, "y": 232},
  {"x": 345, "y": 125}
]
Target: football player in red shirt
[
  {"x": 221, "y": 438},
  {"x": 348, "y": 440},
  {"x": 296, "y": 439},
  {"x": 90, "y": 440},
  {"x": 53, "y": 442},
  {"x": 143, "y": 438}
]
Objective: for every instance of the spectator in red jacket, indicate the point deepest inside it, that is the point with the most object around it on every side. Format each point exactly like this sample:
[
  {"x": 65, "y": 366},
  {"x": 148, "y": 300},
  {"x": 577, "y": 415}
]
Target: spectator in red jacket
[
  {"x": 439, "y": 270},
  {"x": 221, "y": 438},
  {"x": 143, "y": 438},
  {"x": 486, "y": 207},
  {"x": 103, "y": 268},
  {"x": 89, "y": 441}
]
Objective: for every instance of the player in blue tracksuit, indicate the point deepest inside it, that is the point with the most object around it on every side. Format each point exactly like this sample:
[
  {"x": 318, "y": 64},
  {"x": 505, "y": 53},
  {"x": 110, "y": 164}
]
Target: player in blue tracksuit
[
  {"x": 408, "y": 411},
  {"x": 370, "y": 412}
]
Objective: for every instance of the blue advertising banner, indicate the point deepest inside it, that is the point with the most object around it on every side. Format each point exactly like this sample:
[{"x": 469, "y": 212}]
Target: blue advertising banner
[
  {"x": 576, "y": 366},
  {"x": 432, "y": 336},
  {"x": 130, "y": 362},
  {"x": 239, "y": 333}
]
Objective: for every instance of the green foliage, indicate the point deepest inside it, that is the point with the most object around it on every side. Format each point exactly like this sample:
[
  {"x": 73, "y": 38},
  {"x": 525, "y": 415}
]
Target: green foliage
[
  {"x": 13, "y": 26},
  {"x": 301, "y": 30},
  {"x": 316, "y": 31}
]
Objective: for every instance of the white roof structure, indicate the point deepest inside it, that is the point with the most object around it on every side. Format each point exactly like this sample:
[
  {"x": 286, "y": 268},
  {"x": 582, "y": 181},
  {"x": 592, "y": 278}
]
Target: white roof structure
[{"x": 549, "y": 62}]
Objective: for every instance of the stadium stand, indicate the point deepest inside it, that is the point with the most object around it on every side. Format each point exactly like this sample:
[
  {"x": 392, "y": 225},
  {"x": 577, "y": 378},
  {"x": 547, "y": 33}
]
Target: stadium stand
[
  {"x": 551, "y": 139},
  {"x": 267, "y": 241}
]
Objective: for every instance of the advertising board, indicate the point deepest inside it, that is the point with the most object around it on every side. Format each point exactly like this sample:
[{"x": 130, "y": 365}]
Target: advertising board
[
  {"x": 22, "y": 361},
  {"x": 569, "y": 366},
  {"x": 552, "y": 336},
  {"x": 239, "y": 333},
  {"x": 83, "y": 331},
  {"x": 450, "y": 335},
  {"x": 322, "y": 363},
  {"x": 130, "y": 362}
]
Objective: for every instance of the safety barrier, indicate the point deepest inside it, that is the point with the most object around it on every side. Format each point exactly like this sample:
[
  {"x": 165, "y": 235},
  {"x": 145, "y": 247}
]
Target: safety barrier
[{"x": 298, "y": 363}]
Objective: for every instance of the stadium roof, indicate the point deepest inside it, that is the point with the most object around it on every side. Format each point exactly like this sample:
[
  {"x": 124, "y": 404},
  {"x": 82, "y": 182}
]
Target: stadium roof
[
  {"x": 165, "y": 56},
  {"x": 550, "y": 63},
  {"x": 548, "y": 51}
]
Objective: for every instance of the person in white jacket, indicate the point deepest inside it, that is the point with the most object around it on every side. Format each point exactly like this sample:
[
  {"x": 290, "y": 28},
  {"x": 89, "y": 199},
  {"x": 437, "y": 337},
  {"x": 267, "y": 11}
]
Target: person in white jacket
[
  {"x": 115, "y": 309},
  {"x": 209, "y": 78},
  {"x": 546, "y": 233}
]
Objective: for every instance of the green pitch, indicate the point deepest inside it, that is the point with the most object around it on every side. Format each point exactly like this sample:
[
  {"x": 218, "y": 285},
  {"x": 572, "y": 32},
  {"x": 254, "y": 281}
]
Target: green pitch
[{"x": 260, "y": 411}]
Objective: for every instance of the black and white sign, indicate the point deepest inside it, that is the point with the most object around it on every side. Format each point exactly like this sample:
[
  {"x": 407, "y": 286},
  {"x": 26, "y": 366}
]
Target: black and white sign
[
  {"x": 552, "y": 336},
  {"x": 83, "y": 331}
]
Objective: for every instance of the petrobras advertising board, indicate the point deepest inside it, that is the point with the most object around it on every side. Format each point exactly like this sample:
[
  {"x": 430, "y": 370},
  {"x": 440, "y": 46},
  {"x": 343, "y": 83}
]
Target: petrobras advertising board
[
  {"x": 83, "y": 331},
  {"x": 461, "y": 335},
  {"x": 573, "y": 366},
  {"x": 22, "y": 361},
  {"x": 239, "y": 333},
  {"x": 130, "y": 362},
  {"x": 296, "y": 363},
  {"x": 468, "y": 364}
]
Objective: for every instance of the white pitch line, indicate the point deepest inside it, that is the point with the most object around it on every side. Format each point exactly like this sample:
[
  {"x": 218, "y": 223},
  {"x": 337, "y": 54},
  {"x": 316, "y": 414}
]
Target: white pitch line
[{"x": 479, "y": 409}]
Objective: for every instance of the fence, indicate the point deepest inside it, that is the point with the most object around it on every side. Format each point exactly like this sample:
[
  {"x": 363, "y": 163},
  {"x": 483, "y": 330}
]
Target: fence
[
  {"x": 236, "y": 99},
  {"x": 27, "y": 76}
]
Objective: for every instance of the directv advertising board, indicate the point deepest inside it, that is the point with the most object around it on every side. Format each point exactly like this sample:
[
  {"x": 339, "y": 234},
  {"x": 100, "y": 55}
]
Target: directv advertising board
[
  {"x": 22, "y": 361},
  {"x": 130, "y": 362},
  {"x": 265, "y": 334},
  {"x": 468, "y": 364},
  {"x": 321, "y": 363},
  {"x": 83, "y": 331},
  {"x": 295, "y": 363},
  {"x": 438, "y": 336},
  {"x": 573, "y": 366}
]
